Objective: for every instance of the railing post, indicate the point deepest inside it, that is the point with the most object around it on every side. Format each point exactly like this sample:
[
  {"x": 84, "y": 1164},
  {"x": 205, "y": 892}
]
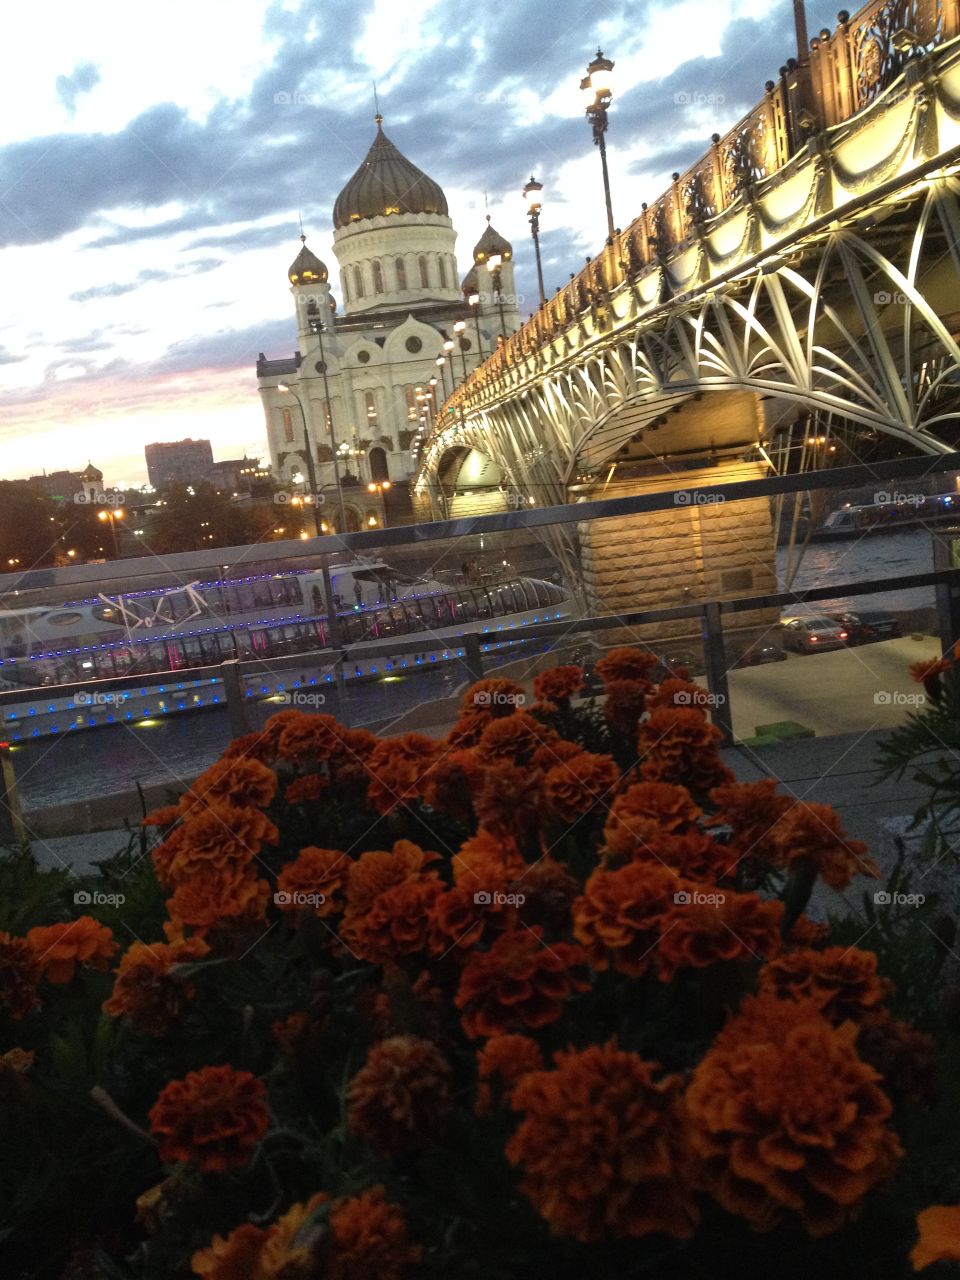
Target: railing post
[
  {"x": 946, "y": 555},
  {"x": 715, "y": 665},
  {"x": 12, "y": 826},
  {"x": 473, "y": 658},
  {"x": 236, "y": 697},
  {"x": 840, "y": 55},
  {"x": 333, "y": 627}
]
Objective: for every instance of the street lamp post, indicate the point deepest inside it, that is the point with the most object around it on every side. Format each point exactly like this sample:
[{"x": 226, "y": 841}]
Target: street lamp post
[
  {"x": 380, "y": 487},
  {"x": 307, "y": 454},
  {"x": 458, "y": 329},
  {"x": 111, "y": 517},
  {"x": 597, "y": 88},
  {"x": 441, "y": 363},
  {"x": 473, "y": 302},
  {"x": 531, "y": 193},
  {"x": 494, "y": 263}
]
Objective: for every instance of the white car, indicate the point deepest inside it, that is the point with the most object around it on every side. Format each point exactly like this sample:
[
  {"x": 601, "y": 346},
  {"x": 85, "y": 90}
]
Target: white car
[{"x": 811, "y": 635}]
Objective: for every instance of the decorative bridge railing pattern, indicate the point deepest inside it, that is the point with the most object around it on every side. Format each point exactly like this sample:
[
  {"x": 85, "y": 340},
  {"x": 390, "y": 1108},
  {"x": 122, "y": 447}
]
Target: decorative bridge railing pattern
[{"x": 845, "y": 72}]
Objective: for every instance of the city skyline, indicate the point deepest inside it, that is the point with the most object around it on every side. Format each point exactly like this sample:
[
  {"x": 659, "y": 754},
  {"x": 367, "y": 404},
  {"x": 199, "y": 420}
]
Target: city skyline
[{"x": 145, "y": 230}]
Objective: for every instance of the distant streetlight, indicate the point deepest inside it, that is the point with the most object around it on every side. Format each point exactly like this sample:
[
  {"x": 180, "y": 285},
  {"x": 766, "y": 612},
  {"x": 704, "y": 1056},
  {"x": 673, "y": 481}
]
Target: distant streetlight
[
  {"x": 531, "y": 193},
  {"x": 472, "y": 299},
  {"x": 380, "y": 487},
  {"x": 493, "y": 264},
  {"x": 597, "y": 88},
  {"x": 458, "y": 329},
  {"x": 112, "y": 517}
]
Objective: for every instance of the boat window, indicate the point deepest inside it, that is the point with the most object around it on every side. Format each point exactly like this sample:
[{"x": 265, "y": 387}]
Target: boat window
[
  {"x": 466, "y": 607},
  {"x": 484, "y": 607},
  {"x": 71, "y": 619}
]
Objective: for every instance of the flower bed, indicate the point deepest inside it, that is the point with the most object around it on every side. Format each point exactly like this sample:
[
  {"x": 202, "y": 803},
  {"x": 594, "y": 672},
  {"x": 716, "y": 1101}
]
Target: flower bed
[{"x": 540, "y": 999}]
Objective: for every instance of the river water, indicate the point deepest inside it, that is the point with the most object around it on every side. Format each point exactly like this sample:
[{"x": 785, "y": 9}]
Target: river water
[
  {"x": 107, "y": 760},
  {"x": 885, "y": 555}
]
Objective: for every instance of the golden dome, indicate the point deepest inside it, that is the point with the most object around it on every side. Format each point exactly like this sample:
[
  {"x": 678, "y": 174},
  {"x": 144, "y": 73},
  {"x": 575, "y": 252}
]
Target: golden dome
[
  {"x": 386, "y": 183},
  {"x": 307, "y": 268},
  {"x": 492, "y": 242}
]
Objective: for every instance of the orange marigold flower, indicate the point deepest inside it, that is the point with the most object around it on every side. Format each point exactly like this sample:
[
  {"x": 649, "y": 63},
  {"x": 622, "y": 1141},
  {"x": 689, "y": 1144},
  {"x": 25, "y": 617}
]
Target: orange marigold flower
[
  {"x": 805, "y": 932},
  {"x": 506, "y": 1059},
  {"x": 398, "y": 769},
  {"x": 626, "y": 664},
  {"x": 466, "y": 732},
  {"x": 319, "y": 872},
  {"x": 508, "y": 802},
  {"x": 212, "y": 1118},
  {"x": 59, "y": 948},
  {"x": 212, "y": 838},
  {"x": 241, "y": 782},
  {"x": 450, "y": 782},
  {"x": 460, "y": 918},
  {"x": 397, "y": 923},
  {"x": 286, "y": 1250},
  {"x": 679, "y": 745},
  {"x": 939, "y": 1238},
  {"x": 308, "y": 789},
  {"x": 841, "y": 981},
  {"x": 751, "y": 811},
  {"x": 376, "y": 871},
  {"x": 548, "y": 891},
  {"x": 675, "y": 692},
  {"x": 493, "y": 697},
  {"x": 259, "y": 745},
  {"x": 618, "y": 919},
  {"x": 520, "y": 981},
  {"x": 485, "y": 861},
  {"x": 575, "y": 786},
  {"x": 19, "y": 976},
  {"x": 601, "y": 1147},
  {"x": 512, "y": 738},
  {"x": 559, "y": 684},
  {"x": 811, "y": 833},
  {"x": 401, "y": 1096},
  {"x": 303, "y": 736},
  {"x": 368, "y": 1237},
  {"x": 624, "y": 704},
  {"x": 928, "y": 668},
  {"x": 554, "y": 752},
  {"x": 148, "y": 991},
  {"x": 699, "y": 932},
  {"x": 16, "y": 1062},
  {"x": 645, "y": 809},
  {"x": 784, "y": 1116},
  {"x": 230, "y": 898}
]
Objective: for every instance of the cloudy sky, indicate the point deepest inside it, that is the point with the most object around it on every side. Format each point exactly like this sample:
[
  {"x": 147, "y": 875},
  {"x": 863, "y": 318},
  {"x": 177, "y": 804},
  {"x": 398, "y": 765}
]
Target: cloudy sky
[{"x": 153, "y": 168}]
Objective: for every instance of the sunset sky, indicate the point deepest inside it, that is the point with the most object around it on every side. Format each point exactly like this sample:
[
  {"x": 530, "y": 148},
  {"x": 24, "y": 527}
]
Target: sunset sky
[{"x": 153, "y": 164}]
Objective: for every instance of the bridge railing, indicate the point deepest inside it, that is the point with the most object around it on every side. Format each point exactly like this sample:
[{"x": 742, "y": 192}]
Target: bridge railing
[{"x": 844, "y": 73}]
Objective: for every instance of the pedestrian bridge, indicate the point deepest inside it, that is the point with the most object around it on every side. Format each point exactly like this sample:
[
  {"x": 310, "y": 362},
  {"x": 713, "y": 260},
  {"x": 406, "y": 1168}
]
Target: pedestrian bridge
[{"x": 797, "y": 288}]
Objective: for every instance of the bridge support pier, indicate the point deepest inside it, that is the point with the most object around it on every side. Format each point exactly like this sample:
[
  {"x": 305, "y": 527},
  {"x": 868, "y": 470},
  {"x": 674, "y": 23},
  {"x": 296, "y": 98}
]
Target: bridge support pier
[{"x": 702, "y": 548}]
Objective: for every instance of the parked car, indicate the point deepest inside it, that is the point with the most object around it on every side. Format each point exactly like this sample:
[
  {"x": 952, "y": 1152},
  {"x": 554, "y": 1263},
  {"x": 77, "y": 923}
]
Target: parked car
[
  {"x": 810, "y": 635},
  {"x": 867, "y": 625},
  {"x": 759, "y": 654}
]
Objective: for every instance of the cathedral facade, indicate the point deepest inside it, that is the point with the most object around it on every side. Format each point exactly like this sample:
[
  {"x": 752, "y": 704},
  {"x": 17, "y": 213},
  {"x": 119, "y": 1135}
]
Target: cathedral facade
[{"x": 352, "y": 401}]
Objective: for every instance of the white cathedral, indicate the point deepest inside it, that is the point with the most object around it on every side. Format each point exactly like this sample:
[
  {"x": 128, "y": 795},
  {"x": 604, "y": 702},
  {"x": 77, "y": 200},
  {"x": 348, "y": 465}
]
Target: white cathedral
[{"x": 364, "y": 385}]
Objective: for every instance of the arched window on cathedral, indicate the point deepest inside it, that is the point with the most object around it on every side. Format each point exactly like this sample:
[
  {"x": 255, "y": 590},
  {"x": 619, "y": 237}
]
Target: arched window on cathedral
[
  {"x": 411, "y": 395},
  {"x": 346, "y": 287},
  {"x": 424, "y": 274},
  {"x": 327, "y": 420},
  {"x": 401, "y": 273},
  {"x": 357, "y": 282},
  {"x": 443, "y": 271},
  {"x": 370, "y": 404},
  {"x": 287, "y": 426},
  {"x": 377, "y": 278}
]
